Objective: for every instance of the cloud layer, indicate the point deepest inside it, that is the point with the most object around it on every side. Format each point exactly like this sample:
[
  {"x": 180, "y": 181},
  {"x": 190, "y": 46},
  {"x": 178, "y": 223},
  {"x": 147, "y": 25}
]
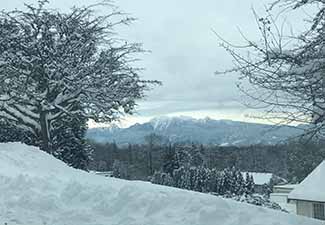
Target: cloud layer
[{"x": 185, "y": 52}]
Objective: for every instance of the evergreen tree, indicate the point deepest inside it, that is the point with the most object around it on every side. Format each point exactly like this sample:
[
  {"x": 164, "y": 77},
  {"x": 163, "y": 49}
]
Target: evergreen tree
[
  {"x": 11, "y": 133},
  {"x": 228, "y": 184},
  {"x": 214, "y": 181},
  {"x": 197, "y": 178},
  {"x": 170, "y": 161},
  {"x": 120, "y": 170},
  {"x": 223, "y": 185},
  {"x": 69, "y": 144},
  {"x": 240, "y": 183},
  {"x": 8, "y": 132},
  {"x": 183, "y": 177},
  {"x": 183, "y": 156},
  {"x": 153, "y": 140},
  {"x": 162, "y": 179},
  {"x": 197, "y": 154},
  {"x": 178, "y": 177},
  {"x": 249, "y": 184}
]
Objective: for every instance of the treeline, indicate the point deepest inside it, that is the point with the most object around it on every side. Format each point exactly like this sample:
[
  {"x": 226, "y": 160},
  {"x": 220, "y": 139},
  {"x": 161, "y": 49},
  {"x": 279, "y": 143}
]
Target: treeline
[
  {"x": 292, "y": 161},
  {"x": 229, "y": 181}
]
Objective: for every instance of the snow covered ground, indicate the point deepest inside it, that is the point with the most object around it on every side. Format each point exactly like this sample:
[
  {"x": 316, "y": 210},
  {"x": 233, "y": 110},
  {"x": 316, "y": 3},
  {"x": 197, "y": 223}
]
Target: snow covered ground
[{"x": 36, "y": 189}]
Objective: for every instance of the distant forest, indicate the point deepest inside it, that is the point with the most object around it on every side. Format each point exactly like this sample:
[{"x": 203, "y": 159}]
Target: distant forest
[{"x": 292, "y": 161}]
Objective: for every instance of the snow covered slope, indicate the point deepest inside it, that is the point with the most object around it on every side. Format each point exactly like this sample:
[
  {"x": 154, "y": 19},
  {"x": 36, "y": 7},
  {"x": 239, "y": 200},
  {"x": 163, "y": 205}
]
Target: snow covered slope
[{"x": 36, "y": 189}]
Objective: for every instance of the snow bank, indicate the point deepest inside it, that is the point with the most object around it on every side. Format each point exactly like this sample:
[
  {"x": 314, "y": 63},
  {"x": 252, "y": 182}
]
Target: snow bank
[{"x": 36, "y": 189}]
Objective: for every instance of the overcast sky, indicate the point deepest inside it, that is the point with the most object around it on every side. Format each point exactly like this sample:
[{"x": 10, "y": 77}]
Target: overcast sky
[{"x": 184, "y": 53}]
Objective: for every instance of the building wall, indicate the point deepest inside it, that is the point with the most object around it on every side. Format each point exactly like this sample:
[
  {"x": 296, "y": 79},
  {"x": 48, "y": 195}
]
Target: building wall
[
  {"x": 304, "y": 208},
  {"x": 279, "y": 197},
  {"x": 282, "y": 200}
]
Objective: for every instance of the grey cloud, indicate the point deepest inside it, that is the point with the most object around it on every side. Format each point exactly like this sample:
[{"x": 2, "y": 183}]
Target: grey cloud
[{"x": 185, "y": 51}]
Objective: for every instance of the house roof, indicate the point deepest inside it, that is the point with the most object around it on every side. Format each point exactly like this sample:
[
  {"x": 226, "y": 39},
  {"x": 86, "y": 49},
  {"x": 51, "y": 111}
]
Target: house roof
[
  {"x": 260, "y": 178},
  {"x": 286, "y": 186},
  {"x": 312, "y": 187}
]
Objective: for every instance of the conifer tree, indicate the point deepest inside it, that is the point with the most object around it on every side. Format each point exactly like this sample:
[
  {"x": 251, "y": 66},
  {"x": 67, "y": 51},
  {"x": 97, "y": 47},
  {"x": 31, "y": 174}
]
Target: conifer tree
[
  {"x": 249, "y": 184},
  {"x": 240, "y": 183},
  {"x": 69, "y": 143},
  {"x": 170, "y": 161},
  {"x": 162, "y": 179},
  {"x": 197, "y": 156}
]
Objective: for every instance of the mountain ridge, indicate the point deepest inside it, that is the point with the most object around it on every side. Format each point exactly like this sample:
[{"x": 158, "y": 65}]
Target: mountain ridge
[{"x": 190, "y": 130}]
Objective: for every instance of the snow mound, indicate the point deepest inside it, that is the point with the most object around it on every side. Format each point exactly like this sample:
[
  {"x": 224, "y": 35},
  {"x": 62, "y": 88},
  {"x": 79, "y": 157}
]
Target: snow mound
[{"x": 37, "y": 189}]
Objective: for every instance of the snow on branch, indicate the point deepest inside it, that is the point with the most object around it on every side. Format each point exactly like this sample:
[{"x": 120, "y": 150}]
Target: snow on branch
[{"x": 51, "y": 61}]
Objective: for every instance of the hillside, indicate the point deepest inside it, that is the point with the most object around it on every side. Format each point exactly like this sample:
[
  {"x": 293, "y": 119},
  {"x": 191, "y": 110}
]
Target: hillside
[
  {"x": 37, "y": 189},
  {"x": 205, "y": 131}
]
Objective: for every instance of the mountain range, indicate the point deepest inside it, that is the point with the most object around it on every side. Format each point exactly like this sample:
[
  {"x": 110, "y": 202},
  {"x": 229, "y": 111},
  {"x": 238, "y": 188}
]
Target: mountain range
[{"x": 190, "y": 130}]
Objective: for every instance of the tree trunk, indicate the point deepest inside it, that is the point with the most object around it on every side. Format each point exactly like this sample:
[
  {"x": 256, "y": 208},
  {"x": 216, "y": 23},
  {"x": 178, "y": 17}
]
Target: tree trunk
[
  {"x": 150, "y": 160},
  {"x": 45, "y": 133}
]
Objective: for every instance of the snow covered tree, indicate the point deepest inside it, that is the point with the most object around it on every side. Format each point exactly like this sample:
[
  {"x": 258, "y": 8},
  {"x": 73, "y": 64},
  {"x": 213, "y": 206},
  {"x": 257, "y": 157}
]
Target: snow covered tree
[
  {"x": 197, "y": 155},
  {"x": 120, "y": 170},
  {"x": 222, "y": 184},
  {"x": 239, "y": 188},
  {"x": 183, "y": 178},
  {"x": 214, "y": 181},
  {"x": 285, "y": 69},
  {"x": 11, "y": 133},
  {"x": 178, "y": 175},
  {"x": 52, "y": 60},
  {"x": 228, "y": 183},
  {"x": 170, "y": 161},
  {"x": 152, "y": 140},
  {"x": 200, "y": 179},
  {"x": 162, "y": 179},
  {"x": 231, "y": 182},
  {"x": 249, "y": 184},
  {"x": 69, "y": 141},
  {"x": 183, "y": 156},
  {"x": 8, "y": 132}
]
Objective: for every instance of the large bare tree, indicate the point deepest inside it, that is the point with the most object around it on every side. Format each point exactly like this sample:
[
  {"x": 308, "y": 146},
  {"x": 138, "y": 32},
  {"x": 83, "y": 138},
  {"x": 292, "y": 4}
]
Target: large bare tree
[
  {"x": 52, "y": 61},
  {"x": 286, "y": 73}
]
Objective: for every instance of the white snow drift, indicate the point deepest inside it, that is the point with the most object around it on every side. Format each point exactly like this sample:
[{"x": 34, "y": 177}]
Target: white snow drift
[{"x": 37, "y": 189}]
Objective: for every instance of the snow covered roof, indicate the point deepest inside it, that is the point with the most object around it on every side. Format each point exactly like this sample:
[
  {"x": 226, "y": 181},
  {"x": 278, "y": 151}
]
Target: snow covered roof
[
  {"x": 288, "y": 186},
  {"x": 37, "y": 189},
  {"x": 260, "y": 178},
  {"x": 312, "y": 188}
]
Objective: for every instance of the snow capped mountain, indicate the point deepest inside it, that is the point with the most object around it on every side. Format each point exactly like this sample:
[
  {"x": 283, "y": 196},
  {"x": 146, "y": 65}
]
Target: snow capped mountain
[
  {"x": 206, "y": 131},
  {"x": 102, "y": 132},
  {"x": 162, "y": 123}
]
